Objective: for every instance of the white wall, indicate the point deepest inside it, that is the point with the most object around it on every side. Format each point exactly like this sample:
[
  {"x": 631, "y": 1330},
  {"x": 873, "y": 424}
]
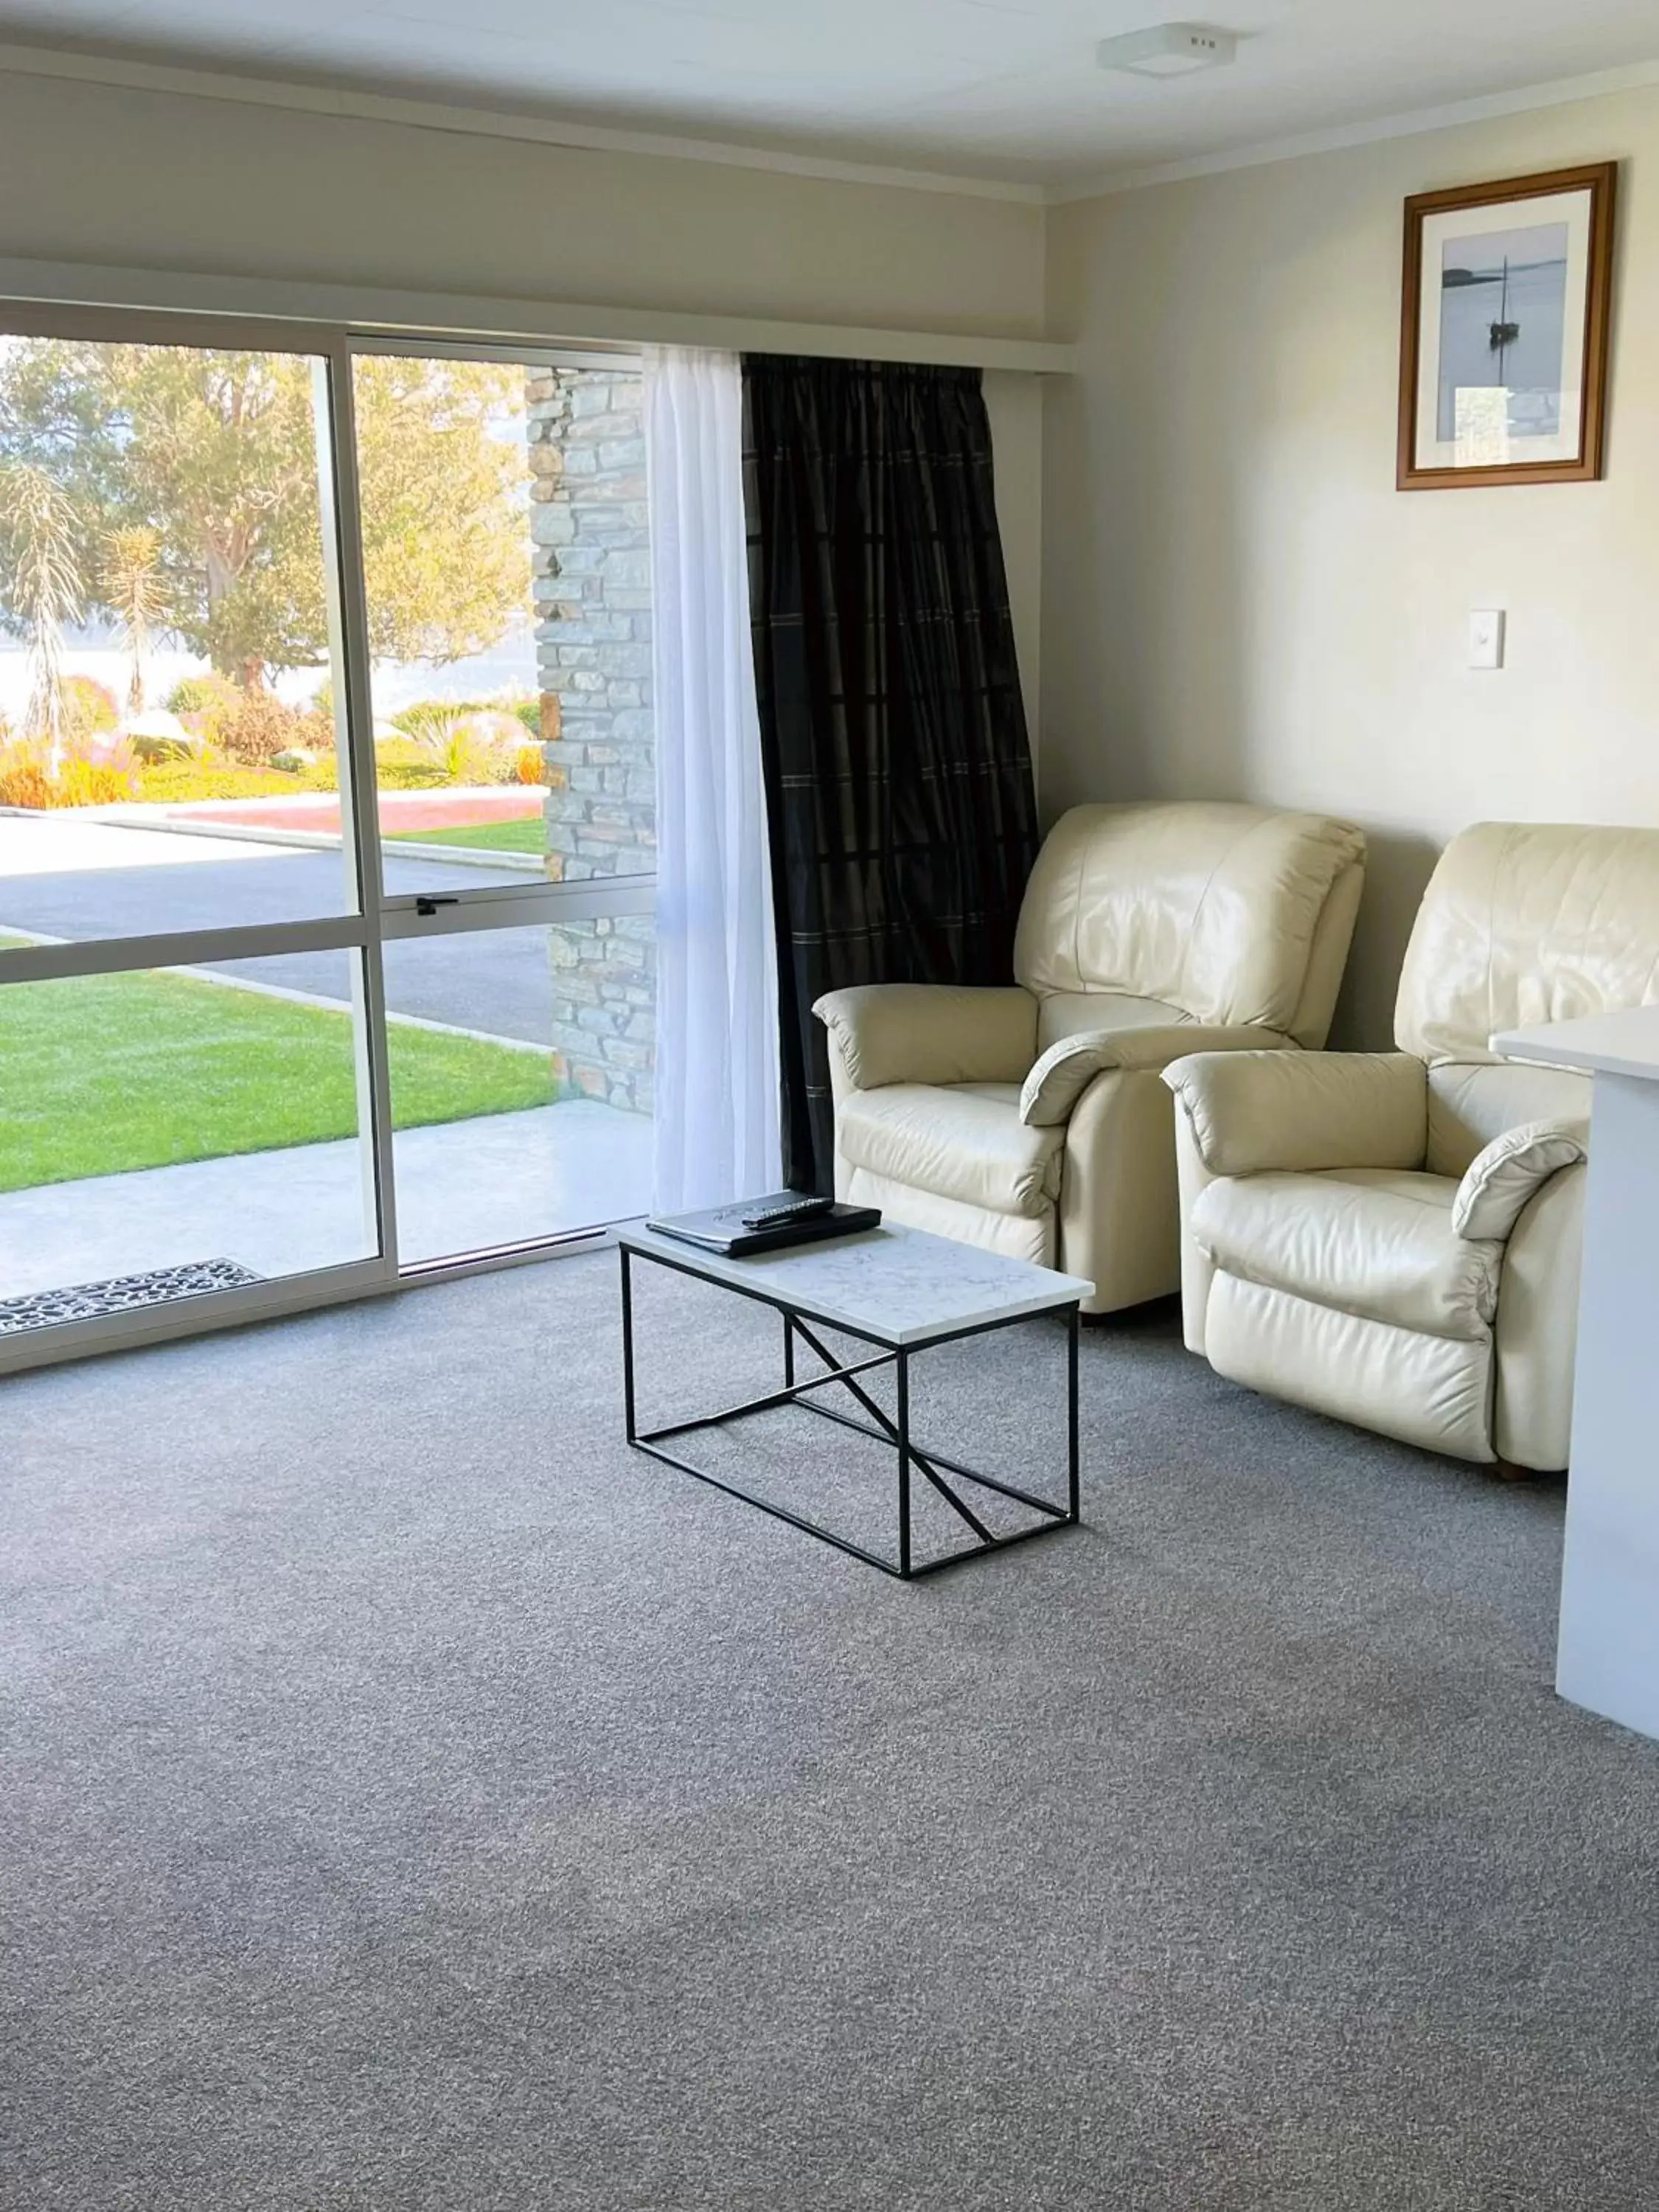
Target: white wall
[{"x": 1237, "y": 603}]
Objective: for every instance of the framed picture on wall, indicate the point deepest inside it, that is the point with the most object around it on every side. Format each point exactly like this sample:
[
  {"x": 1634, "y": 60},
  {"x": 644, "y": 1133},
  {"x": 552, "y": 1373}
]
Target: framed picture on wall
[{"x": 1504, "y": 333}]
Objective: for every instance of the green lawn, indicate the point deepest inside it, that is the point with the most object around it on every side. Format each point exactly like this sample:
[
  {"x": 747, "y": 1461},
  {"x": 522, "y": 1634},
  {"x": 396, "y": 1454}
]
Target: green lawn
[
  {"x": 529, "y": 835},
  {"x": 109, "y": 1073}
]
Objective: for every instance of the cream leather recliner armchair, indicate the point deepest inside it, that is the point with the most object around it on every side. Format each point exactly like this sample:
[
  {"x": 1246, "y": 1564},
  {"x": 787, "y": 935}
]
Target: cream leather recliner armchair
[
  {"x": 1031, "y": 1118},
  {"x": 1394, "y": 1238}
]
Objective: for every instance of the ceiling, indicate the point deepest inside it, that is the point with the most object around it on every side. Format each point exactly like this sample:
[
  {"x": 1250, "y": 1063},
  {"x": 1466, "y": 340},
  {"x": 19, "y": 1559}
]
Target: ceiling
[{"x": 993, "y": 88}]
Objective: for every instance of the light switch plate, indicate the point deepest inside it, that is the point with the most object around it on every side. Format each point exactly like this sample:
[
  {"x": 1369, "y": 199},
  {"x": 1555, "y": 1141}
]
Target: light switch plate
[{"x": 1486, "y": 638}]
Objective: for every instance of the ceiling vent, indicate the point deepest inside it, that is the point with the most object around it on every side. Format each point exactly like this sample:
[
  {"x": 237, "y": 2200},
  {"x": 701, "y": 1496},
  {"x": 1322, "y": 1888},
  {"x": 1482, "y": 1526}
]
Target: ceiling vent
[{"x": 1168, "y": 49}]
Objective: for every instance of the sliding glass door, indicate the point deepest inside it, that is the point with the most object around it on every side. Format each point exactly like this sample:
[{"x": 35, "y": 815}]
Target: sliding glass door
[
  {"x": 514, "y": 790},
  {"x": 325, "y": 829}
]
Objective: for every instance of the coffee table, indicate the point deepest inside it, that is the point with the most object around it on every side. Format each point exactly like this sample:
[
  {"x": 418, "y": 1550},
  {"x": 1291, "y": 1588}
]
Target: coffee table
[{"x": 903, "y": 1291}]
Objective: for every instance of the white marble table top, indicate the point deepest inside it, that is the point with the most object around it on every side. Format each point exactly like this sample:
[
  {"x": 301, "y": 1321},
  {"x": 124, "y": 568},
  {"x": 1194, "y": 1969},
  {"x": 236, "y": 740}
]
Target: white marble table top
[
  {"x": 893, "y": 1285},
  {"x": 1625, "y": 1043}
]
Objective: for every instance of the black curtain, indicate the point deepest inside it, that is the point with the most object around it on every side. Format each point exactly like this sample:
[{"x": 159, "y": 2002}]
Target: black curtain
[{"x": 900, "y": 809}]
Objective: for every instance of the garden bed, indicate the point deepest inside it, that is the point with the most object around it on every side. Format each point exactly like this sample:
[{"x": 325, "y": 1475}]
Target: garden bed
[{"x": 400, "y": 813}]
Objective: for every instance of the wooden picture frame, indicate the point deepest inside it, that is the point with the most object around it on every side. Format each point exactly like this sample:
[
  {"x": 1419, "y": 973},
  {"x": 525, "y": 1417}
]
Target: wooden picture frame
[{"x": 1505, "y": 380}]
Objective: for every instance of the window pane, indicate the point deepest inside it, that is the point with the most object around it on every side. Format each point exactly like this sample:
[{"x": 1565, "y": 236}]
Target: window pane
[
  {"x": 191, "y": 1119},
  {"x": 506, "y": 550},
  {"x": 556, "y": 1135},
  {"x": 169, "y": 649}
]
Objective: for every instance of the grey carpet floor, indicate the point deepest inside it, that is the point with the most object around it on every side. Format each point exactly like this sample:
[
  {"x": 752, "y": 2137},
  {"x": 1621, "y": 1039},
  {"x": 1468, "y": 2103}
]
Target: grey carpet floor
[{"x": 412, "y": 1799}]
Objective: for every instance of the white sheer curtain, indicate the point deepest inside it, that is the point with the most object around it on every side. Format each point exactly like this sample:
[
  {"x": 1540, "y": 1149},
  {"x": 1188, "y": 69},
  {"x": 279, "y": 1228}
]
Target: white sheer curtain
[{"x": 717, "y": 1094}]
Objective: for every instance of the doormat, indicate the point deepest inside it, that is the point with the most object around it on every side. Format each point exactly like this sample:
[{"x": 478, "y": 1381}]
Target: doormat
[{"x": 123, "y": 1294}]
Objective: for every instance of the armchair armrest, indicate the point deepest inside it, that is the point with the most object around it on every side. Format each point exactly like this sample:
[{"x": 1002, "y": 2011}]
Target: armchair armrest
[
  {"x": 1502, "y": 1181},
  {"x": 930, "y": 1033},
  {"x": 1065, "y": 1071},
  {"x": 1253, "y": 1112}
]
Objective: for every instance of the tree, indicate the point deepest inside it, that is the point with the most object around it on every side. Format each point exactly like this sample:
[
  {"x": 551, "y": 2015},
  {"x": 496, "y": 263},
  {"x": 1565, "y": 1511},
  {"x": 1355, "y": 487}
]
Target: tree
[
  {"x": 43, "y": 593},
  {"x": 443, "y": 473},
  {"x": 216, "y": 452},
  {"x": 132, "y": 585}
]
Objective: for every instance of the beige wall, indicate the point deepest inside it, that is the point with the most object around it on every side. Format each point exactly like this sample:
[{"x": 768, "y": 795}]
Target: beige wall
[
  {"x": 107, "y": 175},
  {"x": 1237, "y": 602},
  {"x": 1014, "y": 405},
  {"x": 92, "y": 173}
]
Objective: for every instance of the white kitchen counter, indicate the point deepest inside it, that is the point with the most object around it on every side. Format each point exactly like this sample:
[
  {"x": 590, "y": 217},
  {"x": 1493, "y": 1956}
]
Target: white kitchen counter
[{"x": 1608, "y": 1656}]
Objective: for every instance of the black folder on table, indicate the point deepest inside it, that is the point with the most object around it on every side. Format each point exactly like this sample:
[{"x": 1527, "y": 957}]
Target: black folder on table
[{"x": 721, "y": 1228}]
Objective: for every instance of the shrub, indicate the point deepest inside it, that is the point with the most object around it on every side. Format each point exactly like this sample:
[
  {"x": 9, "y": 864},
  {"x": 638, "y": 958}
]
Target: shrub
[
  {"x": 107, "y": 749},
  {"x": 420, "y": 775},
  {"x": 111, "y": 750},
  {"x": 89, "y": 711},
  {"x": 455, "y": 751},
  {"x": 428, "y": 719},
  {"x": 258, "y": 727},
  {"x": 496, "y": 732},
  {"x": 205, "y": 704},
  {"x": 425, "y": 716},
  {"x": 25, "y": 780},
  {"x": 94, "y": 783},
  {"x": 262, "y": 726},
  {"x": 159, "y": 735},
  {"x": 88, "y": 708},
  {"x": 176, "y": 783},
  {"x": 481, "y": 746}
]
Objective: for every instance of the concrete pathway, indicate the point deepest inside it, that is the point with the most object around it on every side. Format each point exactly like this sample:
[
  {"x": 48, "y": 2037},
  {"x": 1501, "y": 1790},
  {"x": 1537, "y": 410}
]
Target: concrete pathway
[{"x": 462, "y": 1185}]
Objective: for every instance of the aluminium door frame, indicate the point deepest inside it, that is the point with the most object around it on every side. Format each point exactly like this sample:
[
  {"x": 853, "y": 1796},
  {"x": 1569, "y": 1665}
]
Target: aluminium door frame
[{"x": 379, "y": 918}]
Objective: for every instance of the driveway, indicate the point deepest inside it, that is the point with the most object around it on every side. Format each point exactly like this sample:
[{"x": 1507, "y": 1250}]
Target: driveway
[{"x": 81, "y": 879}]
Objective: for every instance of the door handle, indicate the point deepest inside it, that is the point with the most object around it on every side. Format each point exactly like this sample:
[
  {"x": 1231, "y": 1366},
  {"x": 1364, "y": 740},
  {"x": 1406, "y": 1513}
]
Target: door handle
[{"x": 427, "y": 907}]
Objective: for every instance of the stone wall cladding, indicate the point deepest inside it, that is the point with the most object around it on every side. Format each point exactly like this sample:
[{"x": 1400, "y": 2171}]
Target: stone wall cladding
[{"x": 591, "y": 580}]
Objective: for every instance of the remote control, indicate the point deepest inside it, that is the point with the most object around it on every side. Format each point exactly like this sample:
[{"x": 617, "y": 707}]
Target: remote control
[{"x": 805, "y": 1207}]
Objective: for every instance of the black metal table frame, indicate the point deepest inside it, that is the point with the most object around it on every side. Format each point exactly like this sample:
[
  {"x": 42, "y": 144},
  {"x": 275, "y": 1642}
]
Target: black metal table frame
[{"x": 893, "y": 1429}]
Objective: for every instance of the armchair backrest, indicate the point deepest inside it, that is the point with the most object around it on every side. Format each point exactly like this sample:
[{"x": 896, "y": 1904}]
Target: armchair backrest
[
  {"x": 1229, "y": 913},
  {"x": 1522, "y": 922}
]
